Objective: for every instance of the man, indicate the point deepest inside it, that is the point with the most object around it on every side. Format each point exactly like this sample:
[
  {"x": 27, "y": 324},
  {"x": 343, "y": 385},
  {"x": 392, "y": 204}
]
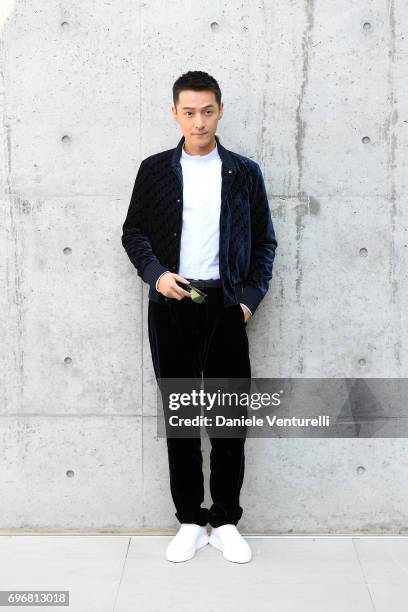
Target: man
[{"x": 199, "y": 214}]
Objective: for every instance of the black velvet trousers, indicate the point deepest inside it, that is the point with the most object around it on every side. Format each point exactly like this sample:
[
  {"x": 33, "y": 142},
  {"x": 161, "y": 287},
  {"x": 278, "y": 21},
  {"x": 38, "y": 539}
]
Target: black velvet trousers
[{"x": 202, "y": 340}]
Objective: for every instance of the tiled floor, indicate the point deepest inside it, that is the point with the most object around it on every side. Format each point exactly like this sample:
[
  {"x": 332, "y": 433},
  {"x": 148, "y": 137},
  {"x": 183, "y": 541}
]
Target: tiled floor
[{"x": 122, "y": 573}]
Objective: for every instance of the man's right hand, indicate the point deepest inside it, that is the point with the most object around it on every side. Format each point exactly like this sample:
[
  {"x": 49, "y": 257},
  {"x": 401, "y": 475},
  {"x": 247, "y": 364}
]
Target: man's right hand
[{"x": 169, "y": 288}]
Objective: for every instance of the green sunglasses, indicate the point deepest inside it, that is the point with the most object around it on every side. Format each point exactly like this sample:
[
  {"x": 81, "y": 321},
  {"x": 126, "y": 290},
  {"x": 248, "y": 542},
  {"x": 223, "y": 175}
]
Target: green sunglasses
[{"x": 196, "y": 294}]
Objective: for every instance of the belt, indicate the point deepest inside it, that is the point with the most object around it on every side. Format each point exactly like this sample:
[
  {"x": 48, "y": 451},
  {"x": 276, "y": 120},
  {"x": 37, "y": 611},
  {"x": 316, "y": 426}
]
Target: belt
[{"x": 200, "y": 282}]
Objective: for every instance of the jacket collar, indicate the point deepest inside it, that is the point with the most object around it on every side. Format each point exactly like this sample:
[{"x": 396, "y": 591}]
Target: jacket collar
[{"x": 225, "y": 154}]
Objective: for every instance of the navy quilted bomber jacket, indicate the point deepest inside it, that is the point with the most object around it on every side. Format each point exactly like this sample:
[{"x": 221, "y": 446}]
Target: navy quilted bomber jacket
[{"x": 152, "y": 228}]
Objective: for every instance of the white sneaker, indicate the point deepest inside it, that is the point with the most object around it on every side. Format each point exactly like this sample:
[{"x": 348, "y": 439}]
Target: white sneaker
[
  {"x": 189, "y": 538},
  {"x": 228, "y": 539}
]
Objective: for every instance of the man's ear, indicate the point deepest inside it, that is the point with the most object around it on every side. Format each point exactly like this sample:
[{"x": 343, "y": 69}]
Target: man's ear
[{"x": 174, "y": 113}]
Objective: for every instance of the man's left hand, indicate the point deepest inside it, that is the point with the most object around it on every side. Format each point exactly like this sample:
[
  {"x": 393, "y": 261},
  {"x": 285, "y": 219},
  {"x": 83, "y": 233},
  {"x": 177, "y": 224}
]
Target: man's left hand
[{"x": 247, "y": 315}]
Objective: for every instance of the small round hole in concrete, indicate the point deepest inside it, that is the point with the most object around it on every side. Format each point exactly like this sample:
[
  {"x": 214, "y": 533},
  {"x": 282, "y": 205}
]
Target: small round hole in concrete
[
  {"x": 67, "y": 251},
  {"x": 363, "y": 252},
  {"x": 215, "y": 26},
  {"x": 68, "y": 360},
  {"x": 361, "y": 469},
  {"x": 365, "y": 140},
  {"x": 66, "y": 139},
  {"x": 70, "y": 473},
  {"x": 361, "y": 362},
  {"x": 367, "y": 26}
]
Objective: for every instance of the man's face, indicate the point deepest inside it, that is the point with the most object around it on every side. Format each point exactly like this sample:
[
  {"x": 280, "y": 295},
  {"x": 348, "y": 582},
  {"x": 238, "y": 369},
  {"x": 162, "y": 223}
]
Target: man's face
[{"x": 197, "y": 113}]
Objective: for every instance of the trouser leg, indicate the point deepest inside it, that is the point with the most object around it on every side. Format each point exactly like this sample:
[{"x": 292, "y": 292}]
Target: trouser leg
[
  {"x": 172, "y": 356},
  {"x": 228, "y": 357}
]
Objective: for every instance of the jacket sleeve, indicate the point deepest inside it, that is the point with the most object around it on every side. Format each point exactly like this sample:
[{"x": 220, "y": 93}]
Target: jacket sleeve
[
  {"x": 135, "y": 238},
  {"x": 263, "y": 245}
]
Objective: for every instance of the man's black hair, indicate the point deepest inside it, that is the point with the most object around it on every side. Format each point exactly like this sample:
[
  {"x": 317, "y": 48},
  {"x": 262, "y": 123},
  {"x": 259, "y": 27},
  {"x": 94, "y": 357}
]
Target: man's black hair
[{"x": 197, "y": 81}]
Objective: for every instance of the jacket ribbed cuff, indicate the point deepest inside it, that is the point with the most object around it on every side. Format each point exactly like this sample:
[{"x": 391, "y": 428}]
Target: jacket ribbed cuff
[
  {"x": 251, "y": 297},
  {"x": 152, "y": 271}
]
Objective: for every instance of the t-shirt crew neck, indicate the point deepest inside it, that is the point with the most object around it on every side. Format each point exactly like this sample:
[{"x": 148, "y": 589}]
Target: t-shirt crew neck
[{"x": 207, "y": 157}]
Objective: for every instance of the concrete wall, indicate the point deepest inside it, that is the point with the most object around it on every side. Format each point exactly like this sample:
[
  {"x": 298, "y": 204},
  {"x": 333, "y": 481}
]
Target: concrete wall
[{"x": 85, "y": 94}]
